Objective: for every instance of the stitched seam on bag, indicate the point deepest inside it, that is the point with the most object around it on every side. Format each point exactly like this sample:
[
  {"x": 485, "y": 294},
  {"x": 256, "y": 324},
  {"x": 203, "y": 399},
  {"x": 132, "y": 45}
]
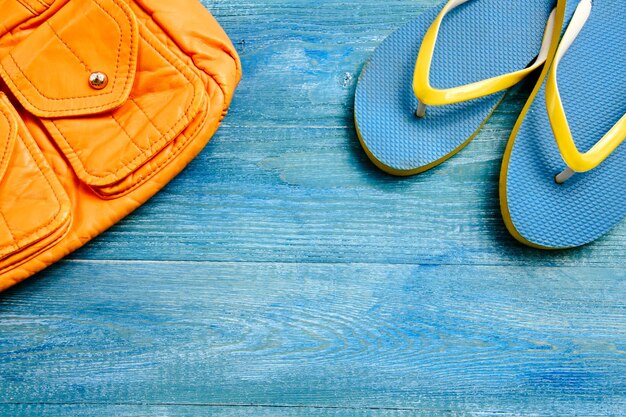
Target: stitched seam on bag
[
  {"x": 5, "y": 152},
  {"x": 2, "y": 160},
  {"x": 174, "y": 153},
  {"x": 55, "y": 216},
  {"x": 67, "y": 46},
  {"x": 146, "y": 114},
  {"x": 161, "y": 139},
  {"x": 103, "y": 106},
  {"x": 27, "y": 7},
  {"x": 43, "y": 3},
  {"x": 39, "y": 2},
  {"x": 14, "y": 243},
  {"x": 132, "y": 140}
]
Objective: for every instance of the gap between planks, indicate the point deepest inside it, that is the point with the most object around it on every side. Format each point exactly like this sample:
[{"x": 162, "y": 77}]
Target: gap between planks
[
  {"x": 236, "y": 405},
  {"x": 364, "y": 264}
]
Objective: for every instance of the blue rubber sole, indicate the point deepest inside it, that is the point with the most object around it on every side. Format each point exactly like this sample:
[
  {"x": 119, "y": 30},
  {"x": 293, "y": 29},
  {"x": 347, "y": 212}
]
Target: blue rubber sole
[
  {"x": 477, "y": 40},
  {"x": 592, "y": 84}
]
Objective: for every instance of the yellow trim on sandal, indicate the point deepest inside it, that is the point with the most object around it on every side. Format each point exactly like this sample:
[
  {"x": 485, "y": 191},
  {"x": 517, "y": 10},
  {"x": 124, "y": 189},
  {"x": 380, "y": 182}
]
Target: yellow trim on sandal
[
  {"x": 576, "y": 160},
  {"x": 428, "y": 95},
  {"x": 504, "y": 206}
]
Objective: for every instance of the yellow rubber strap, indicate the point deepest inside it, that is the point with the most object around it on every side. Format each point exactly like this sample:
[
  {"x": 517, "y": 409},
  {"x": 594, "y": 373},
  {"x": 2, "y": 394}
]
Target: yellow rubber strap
[
  {"x": 575, "y": 160},
  {"x": 428, "y": 95}
]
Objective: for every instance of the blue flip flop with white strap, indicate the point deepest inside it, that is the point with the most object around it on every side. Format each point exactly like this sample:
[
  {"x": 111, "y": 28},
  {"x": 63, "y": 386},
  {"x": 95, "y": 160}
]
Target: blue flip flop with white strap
[
  {"x": 563, "y": 180},
  {"x": 470, "y": 52}
]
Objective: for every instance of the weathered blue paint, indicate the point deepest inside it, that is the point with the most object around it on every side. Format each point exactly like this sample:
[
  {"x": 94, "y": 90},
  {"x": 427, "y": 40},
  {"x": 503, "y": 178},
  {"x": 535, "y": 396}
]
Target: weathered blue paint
[{"x": 282, "y": 275}]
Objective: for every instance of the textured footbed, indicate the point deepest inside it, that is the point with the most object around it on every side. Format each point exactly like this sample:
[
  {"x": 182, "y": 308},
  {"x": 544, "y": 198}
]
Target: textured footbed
[
  {"x": 592, "y": 84},
  {"x": 478, "y": 40}
]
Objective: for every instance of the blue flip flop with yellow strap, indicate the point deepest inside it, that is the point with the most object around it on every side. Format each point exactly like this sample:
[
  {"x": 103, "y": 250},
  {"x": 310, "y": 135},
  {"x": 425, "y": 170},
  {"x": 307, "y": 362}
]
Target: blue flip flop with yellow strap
[
  {"x": 411, "y": 116},
  {"x": 563, "y": 179}
]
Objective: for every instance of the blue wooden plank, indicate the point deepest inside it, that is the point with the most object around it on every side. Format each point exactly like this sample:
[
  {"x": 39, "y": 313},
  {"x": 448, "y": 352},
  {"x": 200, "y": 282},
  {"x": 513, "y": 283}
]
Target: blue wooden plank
[
  {"x": 462, "y": 339},
  {"x": 186, "y": 410}
]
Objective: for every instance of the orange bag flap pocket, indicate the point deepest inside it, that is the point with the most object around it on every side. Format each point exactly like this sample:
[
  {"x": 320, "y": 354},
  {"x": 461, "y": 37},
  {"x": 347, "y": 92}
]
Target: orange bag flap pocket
[
  {"x": 50, "y": 70},
  {"x": 34, "y": 208},
  {"x": 107, "y": 131}
]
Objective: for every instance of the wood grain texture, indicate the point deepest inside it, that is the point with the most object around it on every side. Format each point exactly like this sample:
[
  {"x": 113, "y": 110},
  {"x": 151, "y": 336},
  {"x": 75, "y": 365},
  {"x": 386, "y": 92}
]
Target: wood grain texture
[
  {"x": 191, "y": 410},
  {"x": 281, "y": 274},
  {"x": 440, "y": 338}
]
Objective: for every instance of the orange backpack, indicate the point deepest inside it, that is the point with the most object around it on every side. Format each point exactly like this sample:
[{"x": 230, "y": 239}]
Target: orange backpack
[{"x": 102, "y": 102}]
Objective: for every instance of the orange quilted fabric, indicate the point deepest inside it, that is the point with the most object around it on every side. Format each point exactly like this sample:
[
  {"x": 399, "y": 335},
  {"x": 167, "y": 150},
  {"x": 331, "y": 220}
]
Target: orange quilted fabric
[{"x": 102, "y": 102}]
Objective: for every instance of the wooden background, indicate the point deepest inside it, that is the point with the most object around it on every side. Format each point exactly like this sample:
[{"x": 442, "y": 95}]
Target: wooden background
[{"x": 282, "y": 275}]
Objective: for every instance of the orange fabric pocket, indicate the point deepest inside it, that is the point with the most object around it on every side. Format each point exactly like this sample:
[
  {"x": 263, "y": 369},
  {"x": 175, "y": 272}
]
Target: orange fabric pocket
[
  {"x": 34, "y": 208},
  {"x": 106, "y": 134},
  {"x": 49, "y": 70}
]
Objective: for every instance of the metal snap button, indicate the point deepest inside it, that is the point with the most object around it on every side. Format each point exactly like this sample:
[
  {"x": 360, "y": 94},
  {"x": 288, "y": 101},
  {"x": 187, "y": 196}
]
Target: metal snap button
[{"x": 98, "y": 80}]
